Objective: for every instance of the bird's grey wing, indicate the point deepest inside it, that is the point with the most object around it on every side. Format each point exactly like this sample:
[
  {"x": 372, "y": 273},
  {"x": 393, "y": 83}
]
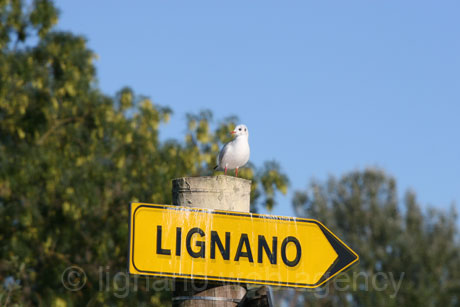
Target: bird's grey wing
[{"x": 222, "y": 153}]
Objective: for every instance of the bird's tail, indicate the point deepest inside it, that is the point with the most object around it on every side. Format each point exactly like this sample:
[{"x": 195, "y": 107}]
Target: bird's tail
[{"x": 216, "y": 166}]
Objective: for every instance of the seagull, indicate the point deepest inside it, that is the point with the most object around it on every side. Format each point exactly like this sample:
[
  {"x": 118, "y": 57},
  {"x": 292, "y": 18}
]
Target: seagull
[{"x": 235, "y": 153}]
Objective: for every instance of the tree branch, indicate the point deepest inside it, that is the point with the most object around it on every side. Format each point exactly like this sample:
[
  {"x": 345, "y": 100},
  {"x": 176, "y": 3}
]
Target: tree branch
[{"x": 57, "y": 125}]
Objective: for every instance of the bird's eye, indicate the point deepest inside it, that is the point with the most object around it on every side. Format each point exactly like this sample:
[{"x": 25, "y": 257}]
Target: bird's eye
[
  {"x": 244, "y": 129},
  {"x": 239, "y": 129}
]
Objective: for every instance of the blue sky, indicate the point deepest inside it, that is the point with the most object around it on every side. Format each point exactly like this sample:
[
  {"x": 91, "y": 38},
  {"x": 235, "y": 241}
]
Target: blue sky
[{"x": 325, "y": 87}]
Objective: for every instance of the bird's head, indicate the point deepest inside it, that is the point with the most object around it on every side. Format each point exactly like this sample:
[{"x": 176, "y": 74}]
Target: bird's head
[{"x": 240, "y": 130}]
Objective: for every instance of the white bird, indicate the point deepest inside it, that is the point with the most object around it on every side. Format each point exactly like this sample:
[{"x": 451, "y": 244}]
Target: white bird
[{"x": 235, "y": 153}]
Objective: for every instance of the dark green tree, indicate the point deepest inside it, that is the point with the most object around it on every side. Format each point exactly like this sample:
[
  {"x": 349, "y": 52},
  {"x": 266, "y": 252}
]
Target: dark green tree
[
  {"x": 391, "y": 237},
  {"x": 73, "y": 158}
]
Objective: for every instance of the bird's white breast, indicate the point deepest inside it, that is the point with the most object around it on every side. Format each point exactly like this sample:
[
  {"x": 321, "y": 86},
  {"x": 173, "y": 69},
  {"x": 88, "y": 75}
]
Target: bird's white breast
[{"x": 237, "y": 154}]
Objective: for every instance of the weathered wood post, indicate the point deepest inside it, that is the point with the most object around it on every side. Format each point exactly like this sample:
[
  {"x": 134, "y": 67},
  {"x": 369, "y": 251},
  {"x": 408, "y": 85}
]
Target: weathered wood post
[{"x": 217, "y": 192}]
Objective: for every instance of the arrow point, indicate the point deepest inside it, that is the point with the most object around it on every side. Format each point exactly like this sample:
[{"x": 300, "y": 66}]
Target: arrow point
[{"x": 345, "y": 255}]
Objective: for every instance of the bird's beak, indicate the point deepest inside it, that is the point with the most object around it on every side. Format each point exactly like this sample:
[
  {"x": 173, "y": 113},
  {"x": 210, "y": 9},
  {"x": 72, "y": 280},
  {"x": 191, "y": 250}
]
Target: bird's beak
[{"x": 233, "y": 132}]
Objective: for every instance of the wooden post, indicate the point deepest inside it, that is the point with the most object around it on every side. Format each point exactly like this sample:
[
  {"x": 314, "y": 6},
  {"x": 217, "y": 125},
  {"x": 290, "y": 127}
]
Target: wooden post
[{"x": 218, "y": 192}]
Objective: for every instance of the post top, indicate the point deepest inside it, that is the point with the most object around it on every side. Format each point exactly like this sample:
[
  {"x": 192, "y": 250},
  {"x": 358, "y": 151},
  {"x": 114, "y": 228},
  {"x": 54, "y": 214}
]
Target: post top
[
  {"x": 218, "y": 178},
  {"x": 212, "y": 192}
]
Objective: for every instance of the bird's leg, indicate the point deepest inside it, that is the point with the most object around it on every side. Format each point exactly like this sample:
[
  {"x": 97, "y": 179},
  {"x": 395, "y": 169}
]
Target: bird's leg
[
  {"x": 236, "y": 172},
  {"x": 225, "y": 171}
]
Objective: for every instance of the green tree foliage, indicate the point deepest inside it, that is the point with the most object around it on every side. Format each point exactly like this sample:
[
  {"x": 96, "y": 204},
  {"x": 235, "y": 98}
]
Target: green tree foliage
[
  {"x": 390, "y": 236},
  {"x": 72, "y": 159}
]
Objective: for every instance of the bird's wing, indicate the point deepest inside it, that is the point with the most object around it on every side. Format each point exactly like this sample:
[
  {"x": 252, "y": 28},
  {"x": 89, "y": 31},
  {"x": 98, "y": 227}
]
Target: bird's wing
[{"x": 222, "y": 153}]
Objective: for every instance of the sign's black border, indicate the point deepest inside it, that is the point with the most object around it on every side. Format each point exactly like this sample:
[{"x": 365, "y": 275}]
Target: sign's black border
[{"x": 346, "y": 256}]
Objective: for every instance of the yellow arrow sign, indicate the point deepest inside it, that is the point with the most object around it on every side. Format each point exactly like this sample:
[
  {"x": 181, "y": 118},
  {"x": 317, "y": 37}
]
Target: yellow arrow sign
[{"x": 230, "y": 246}]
